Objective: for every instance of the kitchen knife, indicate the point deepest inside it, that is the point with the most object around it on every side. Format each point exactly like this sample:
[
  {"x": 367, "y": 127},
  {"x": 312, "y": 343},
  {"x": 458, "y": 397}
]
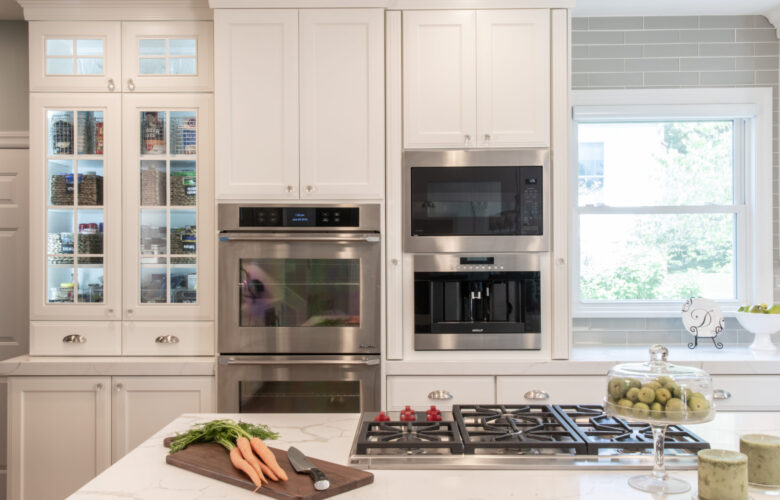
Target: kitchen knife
[{"x": 303, "y": 465}]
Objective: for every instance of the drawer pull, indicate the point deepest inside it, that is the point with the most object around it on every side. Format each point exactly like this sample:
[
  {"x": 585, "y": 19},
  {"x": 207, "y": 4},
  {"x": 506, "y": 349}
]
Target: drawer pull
[
  {"x": 536, "y": 394},
  {"x": 721, "y": 394},
  {"x": 439, "y": 394},
  {"x": 74, "y": 339},
  {"x": 167, "y": 339}
]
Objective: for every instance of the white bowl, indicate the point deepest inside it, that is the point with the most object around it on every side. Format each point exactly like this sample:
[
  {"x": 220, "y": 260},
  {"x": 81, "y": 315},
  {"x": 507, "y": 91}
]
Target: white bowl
[{"x": 762, "y": 326}]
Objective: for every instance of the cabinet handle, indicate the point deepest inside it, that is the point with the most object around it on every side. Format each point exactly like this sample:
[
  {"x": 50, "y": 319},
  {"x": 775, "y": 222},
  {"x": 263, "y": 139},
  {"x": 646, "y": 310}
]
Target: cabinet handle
[
  {"x": 118, "y": 387},
  {"x": 394, "y": 262},
  {"x": 536, "y": 394},
  {"x": 309, "y": 189},
  {"x": 487, "y": 137},
  {"x": 467, "y": 139},
  {"x": 439, "y": 394},
  {"x": 290, "y": 189},
  {"x": 130, "y": 84},
  {"x": 99, "y": 387},
  {"x": 111, "y": 85},
  {"x": 129, "y": 312},
  {"x": 721, "y": 394},
  {"x": 167, "y": 339},
  {"x": 74, "y": 339}
]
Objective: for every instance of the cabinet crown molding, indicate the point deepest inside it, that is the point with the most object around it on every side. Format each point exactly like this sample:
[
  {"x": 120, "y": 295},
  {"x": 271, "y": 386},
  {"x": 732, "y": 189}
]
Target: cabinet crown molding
[
  {"x": 392, "y": 4},
  {"x": 116, "y": 10}
]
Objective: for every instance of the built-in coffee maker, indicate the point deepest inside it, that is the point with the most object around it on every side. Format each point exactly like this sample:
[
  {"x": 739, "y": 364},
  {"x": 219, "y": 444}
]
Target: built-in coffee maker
[{"x": 465, "y": 301}]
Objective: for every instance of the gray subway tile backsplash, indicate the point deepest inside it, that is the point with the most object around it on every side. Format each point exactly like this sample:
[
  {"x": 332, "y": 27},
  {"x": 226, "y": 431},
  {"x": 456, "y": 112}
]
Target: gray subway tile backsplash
[
  {"x": 671, "y": 79},
  {"x": 598, "y": 65},
  {"x": 671, "y": 22},
  {"x": 767, "y": 62},
  {"x": 653, "y": 36},
  {"x": 727, "y": 21},
  {"x": 719, "y": 35},
  {"x": 727, "y": 49},
  {"x": 727, "y": 78},
  {"x": 615, "y": 23},
  {"x": 671, "y": 50},
  {"x": 707, "y": 63},
  {"x": 614, "y": 51},
  {"x": 653, "y": 64},
  {"x": 756, "y": 35},
  {"x": 596, "y": 37},
  {"x": 766, "y": 49},
  {"x": 615, "y": 79}
]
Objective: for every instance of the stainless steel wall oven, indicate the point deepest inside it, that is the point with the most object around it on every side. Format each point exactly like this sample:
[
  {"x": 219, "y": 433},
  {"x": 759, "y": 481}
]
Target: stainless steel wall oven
[{"x": 299, "y": 307}]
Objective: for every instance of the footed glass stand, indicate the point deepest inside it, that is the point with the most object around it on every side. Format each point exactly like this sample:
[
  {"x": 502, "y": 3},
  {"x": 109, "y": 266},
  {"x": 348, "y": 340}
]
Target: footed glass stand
[{"x": 659, "y": 481}]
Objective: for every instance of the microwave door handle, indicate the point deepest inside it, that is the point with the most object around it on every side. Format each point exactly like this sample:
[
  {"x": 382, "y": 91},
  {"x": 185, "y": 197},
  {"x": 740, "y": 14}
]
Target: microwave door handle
[
  {"x": 367, "y": 362},
  {"x": 369, "y": 238}
]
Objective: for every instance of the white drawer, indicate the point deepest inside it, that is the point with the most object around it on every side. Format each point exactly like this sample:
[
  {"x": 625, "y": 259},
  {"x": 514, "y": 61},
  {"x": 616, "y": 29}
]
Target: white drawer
[
  {"x": 168, "y": 338},
  {"x": 419, "y": 392},
  {"x": 747, "y": 392},
  {"x": 559, "y": 390},
  {"x": 75, "y": 338}
]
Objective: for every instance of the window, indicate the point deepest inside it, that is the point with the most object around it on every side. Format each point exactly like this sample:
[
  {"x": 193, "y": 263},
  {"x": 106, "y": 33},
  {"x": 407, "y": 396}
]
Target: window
[
  {"x": 669, "y": 201},
  {"x": 69, "y": 56}
]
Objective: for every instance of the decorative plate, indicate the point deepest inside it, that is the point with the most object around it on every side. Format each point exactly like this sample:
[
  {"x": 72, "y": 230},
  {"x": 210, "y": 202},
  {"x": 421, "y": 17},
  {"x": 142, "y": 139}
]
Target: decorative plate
[{"x": 702, "y": 317}]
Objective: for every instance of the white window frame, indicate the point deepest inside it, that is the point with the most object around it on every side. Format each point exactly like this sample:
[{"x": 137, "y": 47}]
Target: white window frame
[{"x": 753, "y": 177}]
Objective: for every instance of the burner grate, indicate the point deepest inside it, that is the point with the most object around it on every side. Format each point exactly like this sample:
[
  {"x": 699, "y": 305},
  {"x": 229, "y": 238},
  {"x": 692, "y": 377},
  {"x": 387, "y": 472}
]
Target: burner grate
[
  {"x": 409, "y": 436},
  {"x": 526, "y": 428},
  {"x": 601, "y": 431}
]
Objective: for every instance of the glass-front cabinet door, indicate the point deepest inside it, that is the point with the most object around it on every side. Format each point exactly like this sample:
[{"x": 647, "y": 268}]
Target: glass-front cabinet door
[
  {"x": 75, "y": 56},
  {"x": 75, "y": 169},
  {"x": 167, "y": 56},
  {"x": 168, "y": 215}
]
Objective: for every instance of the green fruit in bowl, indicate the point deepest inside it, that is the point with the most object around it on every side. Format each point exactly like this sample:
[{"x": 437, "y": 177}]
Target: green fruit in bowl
[
  {"x": 657, "y": 410},
  {"x": 663, "y": 395},
  {"x": 618, "y": 387},
  {"x": 646, "y": 395},
  {"x": 633, "y": 394},
  {"x": 633, "y": 382},
  {"x": 682, "y": 393},
  {"x": 665, "y": 380},
  {"x": 699, "y": 406},
  {"x": 653, "y": 385},
  {"x": 624, "y": 406},
  {"x": 775, "y": 309},
  {"x": 641, "y": 410},
  {"x": 674, "y": 405}
]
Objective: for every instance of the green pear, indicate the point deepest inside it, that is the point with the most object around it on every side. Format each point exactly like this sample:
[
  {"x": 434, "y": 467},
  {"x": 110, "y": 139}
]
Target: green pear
[{"x": 775, "y": 309}]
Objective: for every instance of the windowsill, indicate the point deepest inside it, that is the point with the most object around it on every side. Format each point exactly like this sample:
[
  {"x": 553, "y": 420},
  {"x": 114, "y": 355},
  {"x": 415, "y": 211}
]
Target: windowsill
[{"x": 705, "y": 352}]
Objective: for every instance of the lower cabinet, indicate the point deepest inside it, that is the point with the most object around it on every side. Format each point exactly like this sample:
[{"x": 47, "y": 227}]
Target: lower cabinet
[
  {"x": 550, "y": 390},
  {"x": 423, "y": 391},
  {"x": 75, "y": 427},
  {"x": 746, "y": 392}
]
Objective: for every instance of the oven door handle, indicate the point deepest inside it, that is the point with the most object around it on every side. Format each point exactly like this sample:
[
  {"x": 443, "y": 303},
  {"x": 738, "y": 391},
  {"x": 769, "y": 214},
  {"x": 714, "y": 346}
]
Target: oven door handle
[
  {"x": 369, "y": 238},
  {"x": 367, "y": 362}
]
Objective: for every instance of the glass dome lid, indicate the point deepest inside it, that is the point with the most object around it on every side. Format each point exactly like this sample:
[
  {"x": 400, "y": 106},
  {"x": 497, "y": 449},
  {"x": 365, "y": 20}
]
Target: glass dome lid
[{"x": 659, "y": 392}]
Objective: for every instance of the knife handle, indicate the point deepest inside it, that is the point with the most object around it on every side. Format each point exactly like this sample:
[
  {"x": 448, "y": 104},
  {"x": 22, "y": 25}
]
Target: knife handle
[{"x": 320, "y": 479}]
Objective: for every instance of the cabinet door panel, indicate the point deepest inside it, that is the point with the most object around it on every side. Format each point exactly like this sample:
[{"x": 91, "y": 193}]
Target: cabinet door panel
[
  {"x": 513, "y": 78},
  {"x": 61, "y": 425},
  {"x": 170, "y": 56},
  {"x": 75, "y": 56},
  {"x": 141, "y": 406},
  {"x": 256, "y": 86},
  {"x": 559, "y": 390},
  {"x": 342, "y": 103},
  {"x": 439, "y": 79},
  {"x": 422, "y": 392}
]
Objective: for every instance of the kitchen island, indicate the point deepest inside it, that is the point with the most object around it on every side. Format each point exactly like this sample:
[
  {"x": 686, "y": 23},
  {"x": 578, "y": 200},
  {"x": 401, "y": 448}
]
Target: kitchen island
[{"x": 143, "y": 473}]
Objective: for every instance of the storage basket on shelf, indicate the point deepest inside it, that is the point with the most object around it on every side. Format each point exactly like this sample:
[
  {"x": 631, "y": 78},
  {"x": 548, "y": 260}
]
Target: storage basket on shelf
[
  {"x": 183, "y": 136},
  {"x": 152, "y": 186},
  {"x": 61, "y": 134},
  {"x": 183, "y": 240},
  {"x": 56, "y": 245},
  {"x": 183, "y": 188},
  {"x": 90, "y": 189},
  {"x": 90, "y": 243}
]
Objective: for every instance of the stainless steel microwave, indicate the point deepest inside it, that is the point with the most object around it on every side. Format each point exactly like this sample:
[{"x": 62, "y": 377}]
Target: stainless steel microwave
[{"x": 469, "y": 200}]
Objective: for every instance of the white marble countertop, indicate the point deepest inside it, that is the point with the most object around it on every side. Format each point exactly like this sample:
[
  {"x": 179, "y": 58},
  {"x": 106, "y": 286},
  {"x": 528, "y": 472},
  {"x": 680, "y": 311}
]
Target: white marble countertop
[
  {"x": 143, "y": 474},
  {"x": 107, "y": 365}
]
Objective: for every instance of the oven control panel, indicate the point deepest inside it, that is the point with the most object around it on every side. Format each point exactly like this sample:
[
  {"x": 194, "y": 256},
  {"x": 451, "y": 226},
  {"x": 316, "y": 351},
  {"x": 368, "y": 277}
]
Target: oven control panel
[{"x": 299, "y": 216}]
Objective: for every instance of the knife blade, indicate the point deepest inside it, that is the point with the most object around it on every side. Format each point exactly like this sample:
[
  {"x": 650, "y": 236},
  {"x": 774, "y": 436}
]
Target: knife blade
[{"x": 303, "y": 465}]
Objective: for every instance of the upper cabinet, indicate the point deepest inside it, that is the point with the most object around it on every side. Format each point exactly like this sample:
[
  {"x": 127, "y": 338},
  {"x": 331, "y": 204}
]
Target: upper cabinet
[
  {"x": 476, "y": 78},
  {"x": 311, "y": 85},
  {"x": 96, "y": 56}
]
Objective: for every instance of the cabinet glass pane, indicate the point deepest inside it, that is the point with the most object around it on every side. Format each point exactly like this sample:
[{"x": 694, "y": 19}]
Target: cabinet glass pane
[
  {"x": 59, "y": 281},
  {"x": 59, "y": 66},
  {"x": 90, "y": 132},
  {"x": 90, "y": 182},
  {"x": 184, "y": 280},
  {"x": 60, "y": 132},
  {"x": 151, "y": 46},
  {"x": 89, "y": 65},
  {"x": 153, "y": 232},
  {"x": 89, "y": 47},
  {"x": 183, "y": 232},
  {"x": 59, "y": 237},
  {"x": 151, "y": 66},
  {"x": 182, "y": 66},
  {"x": 183, "y": 183},
  {"x": 90, "y": 232},
  {"x": 59, "y": 47},
  {"x": 153, "y": 183},
  {"x": 182, "y": 47},
  {"x": 90, "y": 279},
  {"x": 153, "y": 132},
  {"x": 184, "y": 140},
  {"x": 154, "y": 282},
  {"x": 60, "y": 182}
]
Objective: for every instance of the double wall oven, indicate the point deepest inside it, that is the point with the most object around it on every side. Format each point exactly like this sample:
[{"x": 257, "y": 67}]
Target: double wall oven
[
  {"x": 477, "y": 223},
  {"x": 299, "y": 308}
]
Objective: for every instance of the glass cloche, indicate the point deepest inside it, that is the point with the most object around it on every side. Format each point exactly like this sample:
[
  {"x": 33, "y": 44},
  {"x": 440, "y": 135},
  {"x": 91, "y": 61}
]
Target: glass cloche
[{"x": 660, "y": 394}]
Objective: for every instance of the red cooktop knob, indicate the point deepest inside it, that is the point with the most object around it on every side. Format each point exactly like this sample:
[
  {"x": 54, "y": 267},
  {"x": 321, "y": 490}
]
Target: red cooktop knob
[
  {"x": 408, "y": 415},
  {"x": 381, "y": 417},
  {"x": 433, "y": 417}
]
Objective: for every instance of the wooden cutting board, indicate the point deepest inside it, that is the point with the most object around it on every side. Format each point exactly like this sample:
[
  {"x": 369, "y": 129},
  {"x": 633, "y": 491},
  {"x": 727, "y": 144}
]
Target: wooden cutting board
[{"x": 212, "y": 460}]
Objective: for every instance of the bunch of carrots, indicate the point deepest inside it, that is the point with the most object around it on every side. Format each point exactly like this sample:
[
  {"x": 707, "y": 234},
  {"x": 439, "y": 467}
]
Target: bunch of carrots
[{"x": 243, "y": 441}]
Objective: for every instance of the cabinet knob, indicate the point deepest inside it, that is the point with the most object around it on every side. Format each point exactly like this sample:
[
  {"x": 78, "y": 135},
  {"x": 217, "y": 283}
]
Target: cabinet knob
[
  {"x": 74, "y": 339},
  {"x": 130, "y": 84},
  {"x": 167, "y": 339},
  {"x": 394, "y": 262},
  {"x": 119, "y": 387},
  {"x": 536, "y": 394},
  {"x": 99, "y": 387},
  {"x": 487, "y": 137},
  {"x": 289, "y": 189},
  {"x": 309, "y": 189},
  {"x": 721, "y": 394},
  {"x": 129, "y": 312},
  {"x": 439, "y": 394},
  {"x": 111, "y": 85},
  {"x": 466, "y": 139}
]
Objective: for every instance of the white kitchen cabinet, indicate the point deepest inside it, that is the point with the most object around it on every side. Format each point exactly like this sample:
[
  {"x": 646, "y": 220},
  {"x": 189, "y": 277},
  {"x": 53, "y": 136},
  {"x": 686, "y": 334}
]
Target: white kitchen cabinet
[
  {"x": 342, "y": 101},
  {"x": 300, "y": 104},
  {"x": 75, "y": 206},
  {"x": 169, "y": 56},
  {"x": 168, "y": 216},
  {"x": 59, "y": 434},
  {"x": 550, "y": 390},
  {"x": 141, "y": 406},
  {"x": 168, "y": 338},
  {"x": 75, "y": 338},
  {"x": 83, "y": 56},
  {"x": 476, "y": 78},
  {"x": 420, "y": 392},
  {"x": 746, "y": 392}
]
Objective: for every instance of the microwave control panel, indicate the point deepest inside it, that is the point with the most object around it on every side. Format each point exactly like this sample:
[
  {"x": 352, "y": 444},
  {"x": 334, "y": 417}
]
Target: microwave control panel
[{"x": 299, "y": 217}]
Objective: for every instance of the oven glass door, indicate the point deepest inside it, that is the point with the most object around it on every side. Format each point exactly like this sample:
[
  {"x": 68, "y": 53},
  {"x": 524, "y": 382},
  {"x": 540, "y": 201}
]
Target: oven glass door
[
  {"x": 312, "y": 293},
  {"x": 476, "y": 201}
]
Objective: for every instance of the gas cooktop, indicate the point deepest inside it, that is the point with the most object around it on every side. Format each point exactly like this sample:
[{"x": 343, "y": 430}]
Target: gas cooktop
[{"x": 514, "y": 437}]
